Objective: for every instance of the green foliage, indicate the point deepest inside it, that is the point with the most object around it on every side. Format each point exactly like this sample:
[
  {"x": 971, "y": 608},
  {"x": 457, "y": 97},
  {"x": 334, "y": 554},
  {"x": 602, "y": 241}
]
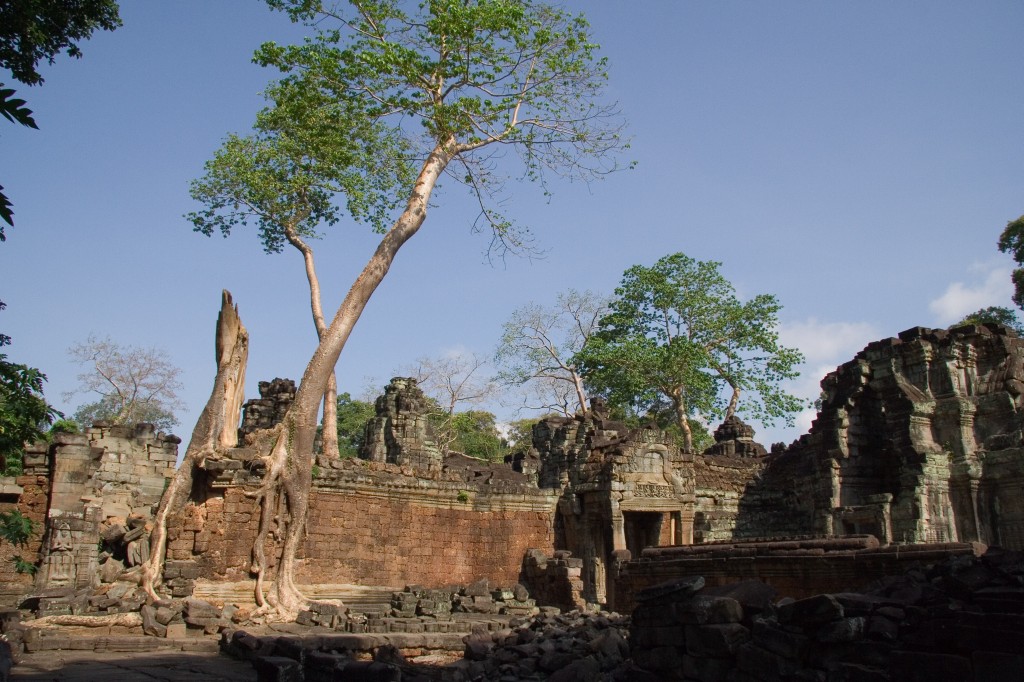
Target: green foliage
[
  {"x": 520, "y": 432},
  {"x": 468, "y": 75},
  {"x": 35, "y": 30},
  {"x": 23, "y": 566},
  {"x": 476, "y": 434},
  {"x": 24, "y": 413},
  {"x": 678, "y": 335},
  {"x": 64, "y": 426},
  {"x": 286, "y": 177},
  {"x": 1011, "y": 241},
  {"x": 353, "y": 416},
  {"x": 109, "y": 409},
  {"x": 315, "y": 472},
  {"x": 16, "y": 528},
  {"x": 15, "y": 111},
  {"x": 994, "y": 315},
  {"x": 463, "y": 496}
]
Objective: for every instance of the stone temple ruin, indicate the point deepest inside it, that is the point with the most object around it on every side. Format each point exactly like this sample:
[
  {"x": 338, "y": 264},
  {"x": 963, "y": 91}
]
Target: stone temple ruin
[{"x": 917, "y": 453}]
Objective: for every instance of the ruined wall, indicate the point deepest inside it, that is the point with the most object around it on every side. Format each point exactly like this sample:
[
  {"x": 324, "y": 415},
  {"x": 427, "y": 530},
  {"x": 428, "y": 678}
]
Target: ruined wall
[
  {"x": 400, "y": 432},
  {"x": 376, "y": 524},
  {"x": 919, "y": 439},
  {"x": 29, "y": 494},
  {"x": 99, "y": 479},
  {"x": 794, "y": 568}
]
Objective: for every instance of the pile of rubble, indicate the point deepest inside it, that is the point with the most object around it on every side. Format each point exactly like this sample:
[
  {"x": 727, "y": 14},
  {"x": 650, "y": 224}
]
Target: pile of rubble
[
  {"x": 556, "y": 647},
  {"x": 418, "y": 609},
  {"x": 962, "y": 619}
]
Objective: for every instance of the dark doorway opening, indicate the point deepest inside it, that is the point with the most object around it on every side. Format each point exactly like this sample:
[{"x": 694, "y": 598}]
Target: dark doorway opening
[{"x": 643, "y": 529}]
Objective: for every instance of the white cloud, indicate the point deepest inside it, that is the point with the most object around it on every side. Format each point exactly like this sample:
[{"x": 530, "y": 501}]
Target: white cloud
[
  {"x": 827, "y": 342},
  {"x": 992, "y": 286}
]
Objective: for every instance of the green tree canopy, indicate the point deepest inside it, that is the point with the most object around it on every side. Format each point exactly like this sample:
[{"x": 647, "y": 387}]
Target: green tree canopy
[
  {"x": 24, "y": 413},
  {"x": 353, "y": 416},
  {"x": 994, "y": 314},
  {"x": 476, "y": 434},
  {"x": 1011, "y": 241},
  {"x": 678, "y": 333},
  {"x": 32, "y": 31}
]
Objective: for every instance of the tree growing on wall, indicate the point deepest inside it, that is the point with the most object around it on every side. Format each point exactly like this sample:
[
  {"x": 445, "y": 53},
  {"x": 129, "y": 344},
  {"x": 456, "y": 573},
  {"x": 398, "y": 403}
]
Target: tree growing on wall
[
  {"x": 289, "y": 178},
  {"x": 677, "y": 332},
  {"x": 538, "y": 347},
  {"x": 132, "y": 384},
  {"x": 457, "y": 79},
  {"x": 994, "y": 314}
]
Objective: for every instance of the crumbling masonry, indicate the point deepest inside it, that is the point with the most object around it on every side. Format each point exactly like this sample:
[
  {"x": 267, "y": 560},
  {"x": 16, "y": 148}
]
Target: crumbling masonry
[{"x": 918, "y": 444}]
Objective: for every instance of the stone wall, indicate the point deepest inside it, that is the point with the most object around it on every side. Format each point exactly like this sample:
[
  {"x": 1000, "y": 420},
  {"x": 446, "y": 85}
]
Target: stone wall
[
  {"x": 372, "y": 523},
  {"x": 400, "y": 433},
  {"x": 795, "y": 568},
  {"x": 919, "y": 439}
]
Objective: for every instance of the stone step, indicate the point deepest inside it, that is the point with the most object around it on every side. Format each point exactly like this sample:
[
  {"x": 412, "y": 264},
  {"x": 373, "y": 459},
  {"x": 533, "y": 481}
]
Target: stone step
[
  {"x": 82, "y": 639},
  {"x": 359, "y": 598}
]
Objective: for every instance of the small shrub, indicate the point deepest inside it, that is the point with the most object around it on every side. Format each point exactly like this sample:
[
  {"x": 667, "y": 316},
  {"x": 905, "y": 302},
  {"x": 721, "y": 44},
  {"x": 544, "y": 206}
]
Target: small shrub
[
  {"x": 16, "y": 528},
  {"x": 64, "y": 426},
  {"x": 463, "y": 496},
  {"x": 316, "y": 472},
  {"x": 22, "y": 566}
]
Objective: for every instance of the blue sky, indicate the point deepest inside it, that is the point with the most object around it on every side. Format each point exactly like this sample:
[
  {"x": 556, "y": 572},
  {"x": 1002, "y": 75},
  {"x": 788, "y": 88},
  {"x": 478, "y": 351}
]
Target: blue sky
[{"x": 857, "y": 160}]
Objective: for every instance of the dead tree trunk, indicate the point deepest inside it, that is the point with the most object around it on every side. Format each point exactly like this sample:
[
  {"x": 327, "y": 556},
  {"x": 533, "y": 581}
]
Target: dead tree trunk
[{"x": 215, "y": 430}]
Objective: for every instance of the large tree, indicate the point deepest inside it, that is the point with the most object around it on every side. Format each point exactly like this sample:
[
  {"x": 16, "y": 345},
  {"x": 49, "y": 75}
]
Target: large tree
[
  {"x": 24, "y": 413},
  {"x": 36, "y": 30},
  {"x": 131, "y": 384},
  {"x": 538, "y": 346},
  {"x": 458, "y": 79},
  {"x": 353, "y": 416},
  {"x": 1011, "y": 241},
  {"x": 289, "y": 178},
  {"x": 677, "y": 332}
]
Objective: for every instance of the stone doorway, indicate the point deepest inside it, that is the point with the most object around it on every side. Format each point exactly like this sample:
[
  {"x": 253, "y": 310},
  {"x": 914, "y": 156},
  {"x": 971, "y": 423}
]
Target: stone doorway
[{"x": 643, "y": 529}]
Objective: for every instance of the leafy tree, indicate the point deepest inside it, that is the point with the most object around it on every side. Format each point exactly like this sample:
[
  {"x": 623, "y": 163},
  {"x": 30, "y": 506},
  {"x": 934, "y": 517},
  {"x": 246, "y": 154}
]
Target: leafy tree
[
  {"x": 476, "y": 434},
  {"x": 520, "y": 432},
  {"x": 678, "y": 333},
  {"x": 457, "y": 80},
  {"x": 538, "y": 346},
  {"x": 134, "y": 385},
  {"x": 24, "y": 413},
  {"x": 1011, "y": 241},
  {"x": 36, "y": 30},
  {"x": 18, "y": 529},
  {"x": 451, "y": 382},
  {"x": 353, "y": 416},
  {"x": 15, "y": 111},
  {"x": 994, "y": 314},
  {"x": 287, "y": 177}
]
